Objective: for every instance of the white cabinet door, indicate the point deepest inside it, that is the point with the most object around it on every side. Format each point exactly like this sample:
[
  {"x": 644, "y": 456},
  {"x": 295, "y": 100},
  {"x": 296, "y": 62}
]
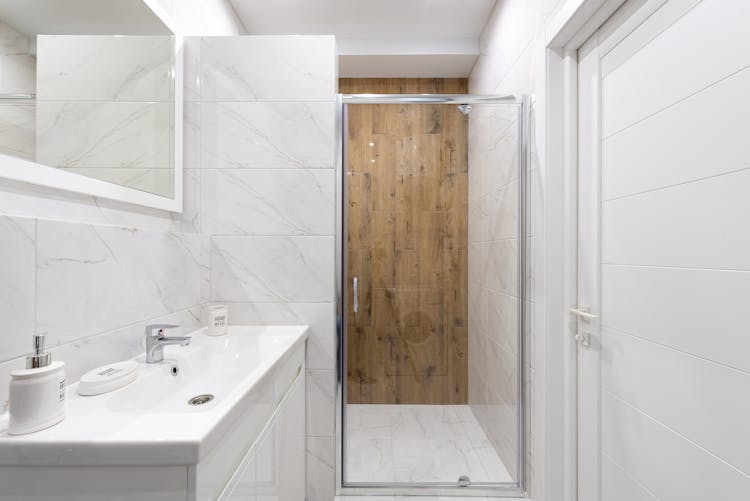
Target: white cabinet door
[{"x": 275, "y": 469}]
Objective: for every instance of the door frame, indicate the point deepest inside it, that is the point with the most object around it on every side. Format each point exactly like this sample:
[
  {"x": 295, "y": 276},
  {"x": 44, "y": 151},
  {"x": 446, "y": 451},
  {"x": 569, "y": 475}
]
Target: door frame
[
  {"x": 575, "y": 22},
  {"x": 510, "y": 491}
]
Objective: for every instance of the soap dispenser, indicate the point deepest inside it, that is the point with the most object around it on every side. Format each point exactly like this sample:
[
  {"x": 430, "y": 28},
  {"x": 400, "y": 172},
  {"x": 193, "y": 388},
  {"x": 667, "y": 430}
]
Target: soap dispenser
[{"x": 37, "y": 393}]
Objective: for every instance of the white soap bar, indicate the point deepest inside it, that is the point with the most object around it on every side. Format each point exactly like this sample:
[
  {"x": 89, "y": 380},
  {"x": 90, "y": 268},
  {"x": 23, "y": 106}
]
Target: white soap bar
[{"x": 108, "y": 378}]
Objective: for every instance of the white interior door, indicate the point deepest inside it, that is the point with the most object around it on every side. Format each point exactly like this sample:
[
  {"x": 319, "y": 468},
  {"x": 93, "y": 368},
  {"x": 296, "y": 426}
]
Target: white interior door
[{"x": 664, "y": 253}]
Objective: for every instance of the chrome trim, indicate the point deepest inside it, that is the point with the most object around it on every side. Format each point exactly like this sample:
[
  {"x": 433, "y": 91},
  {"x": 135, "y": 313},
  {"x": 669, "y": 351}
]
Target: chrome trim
[
  {"x": 504, "y": 491},
  {"x": 355, "y": 296},
  {"x": 428, "y": 99},
  {"x": 339, "y": 288},
  {"x": 515, "y": 489},
  {"x": 524, "y": 162}
]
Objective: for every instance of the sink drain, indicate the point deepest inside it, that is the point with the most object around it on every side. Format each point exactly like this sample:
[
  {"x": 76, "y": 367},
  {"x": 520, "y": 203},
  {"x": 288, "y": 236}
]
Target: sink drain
[{"x": 201, "y": 399}]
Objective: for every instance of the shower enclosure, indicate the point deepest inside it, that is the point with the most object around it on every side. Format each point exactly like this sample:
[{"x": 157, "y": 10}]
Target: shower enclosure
[{"x": 432, "y": 240}]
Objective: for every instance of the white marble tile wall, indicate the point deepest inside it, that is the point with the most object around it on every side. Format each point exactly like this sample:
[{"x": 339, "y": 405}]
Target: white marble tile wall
[
  {"x": 104, "y": 104},
  {"x": 17, "y": 128},
  {"x": 120, "y": 274},
  {"x": 92, "y": 289},
  {"x": 283, "y": 68},
  {"x": 17, "y": 269},
  {"x": 267, "y": 134},
  {"x": 493, "y": 275},
  {"x": 22, "y": 206},
  {"x": 17, "y": 64},
  {"x": 260, "y": 150}
]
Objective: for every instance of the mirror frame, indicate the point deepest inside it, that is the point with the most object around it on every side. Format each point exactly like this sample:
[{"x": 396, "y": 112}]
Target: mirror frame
[{"x": 28, "y": 171}]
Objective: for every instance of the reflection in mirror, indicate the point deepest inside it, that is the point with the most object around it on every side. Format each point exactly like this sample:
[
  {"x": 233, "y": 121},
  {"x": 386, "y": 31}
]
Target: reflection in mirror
[{"x": 95, "y": 104}]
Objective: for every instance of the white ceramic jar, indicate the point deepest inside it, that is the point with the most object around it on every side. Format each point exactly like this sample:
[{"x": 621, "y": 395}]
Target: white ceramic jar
[{"x": 36, "y": 399}]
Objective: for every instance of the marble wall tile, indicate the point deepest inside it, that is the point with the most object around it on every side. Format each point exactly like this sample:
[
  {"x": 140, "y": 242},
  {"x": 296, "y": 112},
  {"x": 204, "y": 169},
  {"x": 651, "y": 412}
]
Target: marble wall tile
[
  {"x": 191, "y": 50},
  {"x": 18, "y": 237},
  {"x": 502, "y": 370},
  {"x": 479, "y": 262},
  {"x": 321, "y": 403},
  {"x": 272, "y": 269},
  {"x": 82, "y": 355},
  {"x": 268, "y": 202},
  {"x": 502, "y": 326},
  {"x": 321, "y": 469},
  {"x": 17, "y": 64},
  {"x": 503, "y": 212},
  {"x": 270, "y": 68},
  {"x": 11, "y": 41},
  {"x": 191, "y": 130},
  {"x": 104, "y": 68},
  {"x": 18, "y": 73},
  {"x": 205, "y": 277},
  {"x": 267, "y": 135},
  {"x": 502, "y": 267},
  {"x": 477, "y": 369},
  {"x": 103, "y": 134},
  {"x": 478, "y": 309},
  {"x": 479, "y": 219},
  {"x": 91, "y": 279},
  {"x": 320, "y": 317},
  {"x": 500, "y": 426},
  {"x": 18, "y": 129}
]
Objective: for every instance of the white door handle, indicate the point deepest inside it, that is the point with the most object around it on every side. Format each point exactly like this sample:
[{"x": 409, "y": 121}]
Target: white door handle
[
  {"x": 355, "y": 303},
  {"x": 583, "y": 313}
]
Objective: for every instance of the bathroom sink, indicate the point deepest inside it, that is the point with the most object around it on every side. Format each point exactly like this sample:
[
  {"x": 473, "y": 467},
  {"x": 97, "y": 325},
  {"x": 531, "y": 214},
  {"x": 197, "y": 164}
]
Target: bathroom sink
[
  {"x": 212, "y": 367},
  {"x": 176, "y": 411}
]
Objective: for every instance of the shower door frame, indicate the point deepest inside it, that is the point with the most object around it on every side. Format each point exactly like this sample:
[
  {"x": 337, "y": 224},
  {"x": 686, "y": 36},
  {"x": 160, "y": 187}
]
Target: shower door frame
[{"x": 514, "y": 489}]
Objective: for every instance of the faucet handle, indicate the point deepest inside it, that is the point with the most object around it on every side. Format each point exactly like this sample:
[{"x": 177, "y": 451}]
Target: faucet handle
[{"x": 158, "y": 327}]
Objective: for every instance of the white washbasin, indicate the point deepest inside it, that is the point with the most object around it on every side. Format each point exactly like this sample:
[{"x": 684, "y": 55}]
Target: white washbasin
[{"x": 150, "y": 422}]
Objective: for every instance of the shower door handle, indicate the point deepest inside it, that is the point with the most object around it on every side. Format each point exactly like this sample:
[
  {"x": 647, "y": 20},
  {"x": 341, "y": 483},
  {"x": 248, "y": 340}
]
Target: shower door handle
[{"x": 355, "y": 302}]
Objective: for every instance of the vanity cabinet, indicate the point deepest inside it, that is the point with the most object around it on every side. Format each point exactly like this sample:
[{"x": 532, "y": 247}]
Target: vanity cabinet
[
  {"x": 145, "y": 442},
  {"x": 275, "y": 467}
]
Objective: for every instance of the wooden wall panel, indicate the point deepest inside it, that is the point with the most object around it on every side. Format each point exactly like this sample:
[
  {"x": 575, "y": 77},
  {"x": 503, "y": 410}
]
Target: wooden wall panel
[{"x": 407, "y": 190}]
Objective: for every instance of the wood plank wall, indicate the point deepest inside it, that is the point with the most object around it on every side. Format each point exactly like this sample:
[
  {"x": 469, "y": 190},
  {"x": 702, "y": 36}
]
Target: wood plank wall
[{"x": 407, "y": 190}]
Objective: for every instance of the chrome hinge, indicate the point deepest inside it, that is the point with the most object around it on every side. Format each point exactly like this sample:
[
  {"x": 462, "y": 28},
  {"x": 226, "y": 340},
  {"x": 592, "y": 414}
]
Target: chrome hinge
[{"x": 582, "y": 334}]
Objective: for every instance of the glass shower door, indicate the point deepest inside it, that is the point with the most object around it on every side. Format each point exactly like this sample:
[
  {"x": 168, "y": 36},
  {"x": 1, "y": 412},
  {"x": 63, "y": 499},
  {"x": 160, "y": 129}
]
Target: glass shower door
[{"x": 432, "y": 239}]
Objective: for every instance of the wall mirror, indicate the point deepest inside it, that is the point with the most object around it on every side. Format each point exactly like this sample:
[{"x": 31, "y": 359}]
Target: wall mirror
[{"x": 91, "y": 99}]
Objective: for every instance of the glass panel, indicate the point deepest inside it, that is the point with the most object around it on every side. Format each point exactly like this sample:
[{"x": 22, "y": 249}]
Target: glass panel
[{"x": 432, "y": 308}]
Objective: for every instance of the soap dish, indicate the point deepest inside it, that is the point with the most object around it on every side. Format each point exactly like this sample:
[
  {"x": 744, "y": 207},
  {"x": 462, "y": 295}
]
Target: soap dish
[{"x": 108, "y": 378}]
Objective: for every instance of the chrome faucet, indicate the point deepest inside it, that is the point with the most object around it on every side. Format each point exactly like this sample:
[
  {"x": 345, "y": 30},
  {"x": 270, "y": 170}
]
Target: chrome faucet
[{"x": 156, "y": 341}]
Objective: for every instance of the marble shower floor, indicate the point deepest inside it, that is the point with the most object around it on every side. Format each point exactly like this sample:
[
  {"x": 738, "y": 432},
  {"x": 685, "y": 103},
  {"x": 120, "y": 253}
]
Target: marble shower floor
[{"x": 418, "y": 443}]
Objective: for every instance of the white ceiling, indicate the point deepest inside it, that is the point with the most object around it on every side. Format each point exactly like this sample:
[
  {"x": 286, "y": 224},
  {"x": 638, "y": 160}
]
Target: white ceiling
[
  {"x": 81, "y": 17},
  {"x": 381, "y": 38}
]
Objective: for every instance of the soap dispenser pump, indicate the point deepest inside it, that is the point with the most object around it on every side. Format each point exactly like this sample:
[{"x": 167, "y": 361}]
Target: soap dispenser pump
[{"x": 37, "y": 393}]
